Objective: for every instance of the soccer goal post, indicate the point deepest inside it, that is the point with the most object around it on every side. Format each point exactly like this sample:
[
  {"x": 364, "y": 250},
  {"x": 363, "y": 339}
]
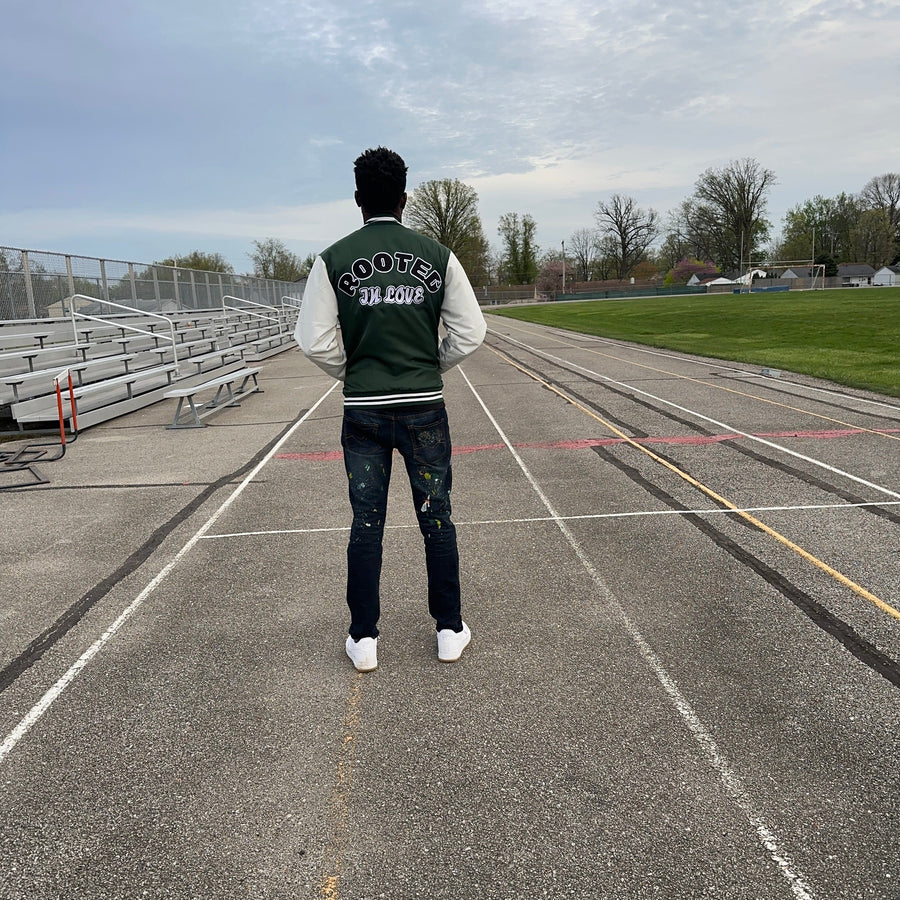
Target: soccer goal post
[{"x": 807, "y": 274}]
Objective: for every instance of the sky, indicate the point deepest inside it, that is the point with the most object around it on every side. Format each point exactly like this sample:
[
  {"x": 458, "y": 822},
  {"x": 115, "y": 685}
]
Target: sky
[{"x": 141, "y": 130}]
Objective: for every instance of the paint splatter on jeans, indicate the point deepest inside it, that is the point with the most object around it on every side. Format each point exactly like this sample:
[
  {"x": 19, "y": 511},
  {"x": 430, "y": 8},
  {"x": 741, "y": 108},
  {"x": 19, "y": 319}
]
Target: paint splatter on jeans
[{"x": 369, "y": 438}]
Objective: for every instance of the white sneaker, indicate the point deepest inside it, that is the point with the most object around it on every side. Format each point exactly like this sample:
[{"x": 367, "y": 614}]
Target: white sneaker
[
  {"x": 452, "y": 643},
  {"x": 363, "y": 653}
]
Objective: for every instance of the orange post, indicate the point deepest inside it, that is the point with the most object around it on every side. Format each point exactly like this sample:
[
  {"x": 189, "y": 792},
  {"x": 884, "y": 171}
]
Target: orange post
[
  {"x": 59, "y": 406},
  {"x": 72, "y": 406},
  {"x": 62, "y": 421}
]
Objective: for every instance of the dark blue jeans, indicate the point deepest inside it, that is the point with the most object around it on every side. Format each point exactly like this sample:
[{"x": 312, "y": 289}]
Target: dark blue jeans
[{"x": 369, "y": 437}]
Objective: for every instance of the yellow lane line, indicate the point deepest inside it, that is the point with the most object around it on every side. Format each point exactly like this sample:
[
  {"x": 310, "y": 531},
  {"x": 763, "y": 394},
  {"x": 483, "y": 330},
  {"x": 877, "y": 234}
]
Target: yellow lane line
[
  {"x": 809, "y": 557},
  {"x": 329, "y": 887},
  {"x": 721, "y": 387}
]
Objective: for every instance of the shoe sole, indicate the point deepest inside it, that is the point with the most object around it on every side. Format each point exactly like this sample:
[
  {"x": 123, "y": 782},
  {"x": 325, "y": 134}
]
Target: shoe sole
[{"x": 359, "y": 669}]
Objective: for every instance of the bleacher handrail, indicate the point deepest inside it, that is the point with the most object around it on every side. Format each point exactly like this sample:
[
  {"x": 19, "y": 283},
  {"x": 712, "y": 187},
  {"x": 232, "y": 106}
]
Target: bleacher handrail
[
  {"x": 138, "y": 312},
  {"x": 293, "y": 303},
  {"x": 250, "y": 312}
]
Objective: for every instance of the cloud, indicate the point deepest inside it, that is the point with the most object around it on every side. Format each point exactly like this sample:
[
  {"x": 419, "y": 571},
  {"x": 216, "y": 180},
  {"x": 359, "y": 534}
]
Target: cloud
[
  {"x": 249, "y": 126},
  {"x": 313, "y": 223}
]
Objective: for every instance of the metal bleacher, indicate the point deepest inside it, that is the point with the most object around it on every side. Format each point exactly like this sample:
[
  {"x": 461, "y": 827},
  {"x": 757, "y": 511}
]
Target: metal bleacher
[{"x": 122, "y": 359}]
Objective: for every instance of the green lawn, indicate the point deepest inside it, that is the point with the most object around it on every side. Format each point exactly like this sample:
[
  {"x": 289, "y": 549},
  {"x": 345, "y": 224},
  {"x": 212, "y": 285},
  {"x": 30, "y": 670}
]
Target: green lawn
[{"x": 849, "y": 335}]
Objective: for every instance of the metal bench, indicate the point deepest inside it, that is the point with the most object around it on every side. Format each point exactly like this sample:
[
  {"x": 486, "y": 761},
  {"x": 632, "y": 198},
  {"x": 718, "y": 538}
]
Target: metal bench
[
  {"x": 24, "y": 339},
  {"x": 34, "y": 409},
  {"x": 31, "y": 354},
  {"x": 128, "y": 380},
  {"x": 226, "y": 395},
  {"x": 219, "y": 357},
  {"x": 268, "y": 341},
  {"x": 19, "y": 379}
]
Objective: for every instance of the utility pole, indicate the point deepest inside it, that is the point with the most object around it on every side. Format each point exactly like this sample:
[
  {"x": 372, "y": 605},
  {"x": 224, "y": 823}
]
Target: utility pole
[{"x": 564, "y": 267}]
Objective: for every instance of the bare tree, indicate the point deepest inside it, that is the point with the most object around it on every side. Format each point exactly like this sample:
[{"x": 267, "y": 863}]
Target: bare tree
[
  {"x": 883, "y": 192},
  {"x": 630, "y": 231},
  {"x": 605, "y": 262},
  {"x": 583, "y": 246},
  {"x": 676, "y": 245}
]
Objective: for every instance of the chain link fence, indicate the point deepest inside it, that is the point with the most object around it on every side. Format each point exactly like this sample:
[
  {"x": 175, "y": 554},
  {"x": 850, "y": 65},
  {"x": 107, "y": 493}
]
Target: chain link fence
[{"x": 34, "y": 283}]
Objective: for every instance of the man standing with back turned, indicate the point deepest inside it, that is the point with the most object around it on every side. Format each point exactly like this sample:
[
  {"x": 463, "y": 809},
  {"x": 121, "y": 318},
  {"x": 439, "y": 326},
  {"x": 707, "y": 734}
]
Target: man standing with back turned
[{"x": 388, "y": 288}]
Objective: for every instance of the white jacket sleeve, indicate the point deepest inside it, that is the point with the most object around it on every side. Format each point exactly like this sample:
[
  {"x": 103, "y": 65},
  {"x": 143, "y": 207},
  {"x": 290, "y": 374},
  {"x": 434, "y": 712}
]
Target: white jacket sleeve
[
  {"x": 317, "y": 325},
  {"x": 461, "y": 316}
]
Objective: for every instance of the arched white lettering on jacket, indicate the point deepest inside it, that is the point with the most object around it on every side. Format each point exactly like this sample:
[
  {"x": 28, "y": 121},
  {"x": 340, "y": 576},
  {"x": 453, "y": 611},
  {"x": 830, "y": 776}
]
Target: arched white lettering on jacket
[{"x": 383, "y": 262}]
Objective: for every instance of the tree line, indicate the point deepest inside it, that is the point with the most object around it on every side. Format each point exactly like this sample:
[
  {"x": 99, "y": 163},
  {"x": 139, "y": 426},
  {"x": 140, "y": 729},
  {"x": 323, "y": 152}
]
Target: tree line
[
  {"x": 270, "y": 258},
  {"x": 722, "y": 226}
]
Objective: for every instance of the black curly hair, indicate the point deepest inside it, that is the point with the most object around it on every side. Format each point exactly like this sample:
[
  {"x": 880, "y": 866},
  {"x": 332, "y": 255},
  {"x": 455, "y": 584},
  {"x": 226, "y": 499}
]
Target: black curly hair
[{"x": 380, "y": 181}]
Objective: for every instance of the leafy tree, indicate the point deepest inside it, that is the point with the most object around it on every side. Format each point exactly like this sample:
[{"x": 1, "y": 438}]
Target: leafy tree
[
  {"x": 805, "y": 226},
  {"x": 529, "y": 249},
  {"x": 630, "y": 230},
  {"x": 519, "y": 250},
  {"x": 873, "y": 238},
  {"x": 197, "y": 259},
  {"x": 271, "y": 259},
  {"x": 307, "y": 264},
  {"x": 447, "y": 210},
  {"x": 646, "y": 270},
  {"x": 844, "y": 214},
  {"x": 820, "y": 224},
  {"x": 510, "y": 233},
  {"x": 550, "y": 275},
  {"x": 725, "y": 217},
  {"x": 827, "y": 260},
  {"x": 682, "y": 271}
]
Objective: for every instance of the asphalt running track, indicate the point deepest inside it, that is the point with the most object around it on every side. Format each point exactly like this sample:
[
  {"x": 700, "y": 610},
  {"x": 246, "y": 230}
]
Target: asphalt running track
[{"x": 682, "y": 580}]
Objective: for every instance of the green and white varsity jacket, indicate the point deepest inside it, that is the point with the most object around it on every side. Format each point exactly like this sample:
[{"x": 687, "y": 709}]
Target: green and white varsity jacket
[{"x": 387, "y": 289}]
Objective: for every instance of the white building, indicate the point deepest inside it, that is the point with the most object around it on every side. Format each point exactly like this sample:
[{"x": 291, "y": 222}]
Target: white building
[
  {"x": 855, "y": 274},
  {"x": 750, "y": 276},
  {"x": 887, "y": 275}
]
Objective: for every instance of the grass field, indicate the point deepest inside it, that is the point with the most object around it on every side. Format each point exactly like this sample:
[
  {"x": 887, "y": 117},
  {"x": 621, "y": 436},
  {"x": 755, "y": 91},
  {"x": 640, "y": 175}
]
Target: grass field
[{"x": 849, "y": 335}]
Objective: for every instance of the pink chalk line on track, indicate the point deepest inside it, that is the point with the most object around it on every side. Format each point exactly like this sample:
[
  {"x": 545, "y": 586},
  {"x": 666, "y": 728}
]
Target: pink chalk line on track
[{"x": 586, "y": 443}]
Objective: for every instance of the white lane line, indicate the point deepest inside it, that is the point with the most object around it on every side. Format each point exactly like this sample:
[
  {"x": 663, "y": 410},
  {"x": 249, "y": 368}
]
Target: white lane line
[
  {"x": 729, "y": 779},
  {"x": 692, "y": 412},
  {"x": 617, "y": 515},
  {"x": 720, "y": 364},
  {"x": 38, "y": 710}
]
